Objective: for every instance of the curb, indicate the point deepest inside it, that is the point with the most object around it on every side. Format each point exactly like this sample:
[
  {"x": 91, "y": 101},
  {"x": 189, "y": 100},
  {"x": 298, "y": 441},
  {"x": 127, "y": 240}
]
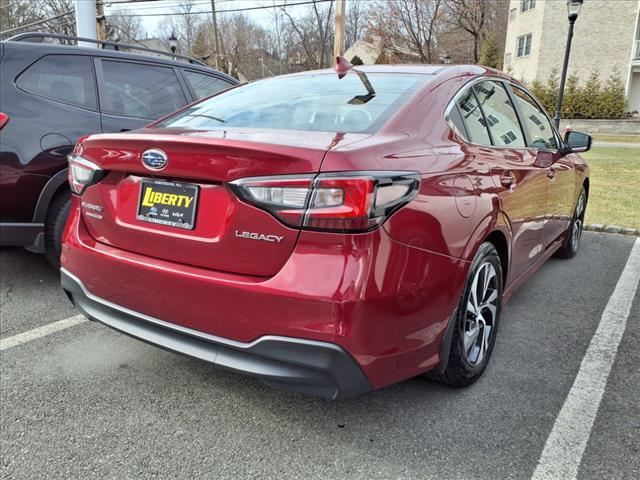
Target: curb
[{"x": 598, "y": 227}]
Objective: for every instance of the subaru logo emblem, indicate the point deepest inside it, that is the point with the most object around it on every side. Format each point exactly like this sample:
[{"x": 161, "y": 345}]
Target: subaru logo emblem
[{"x": 154, "y": 159}]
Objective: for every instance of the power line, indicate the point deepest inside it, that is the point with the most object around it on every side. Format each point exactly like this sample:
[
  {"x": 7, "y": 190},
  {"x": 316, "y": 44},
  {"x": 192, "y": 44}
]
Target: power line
[
  {"x": 127, "y": 6},
  {"x": 231, "y": 10},
  {"x": 39, "y": 22},
  {"x": 172, "y": 4}
]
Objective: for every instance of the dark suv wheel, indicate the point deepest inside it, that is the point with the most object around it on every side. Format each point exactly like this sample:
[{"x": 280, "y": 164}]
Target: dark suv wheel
[{"x": 54, "y": 226}]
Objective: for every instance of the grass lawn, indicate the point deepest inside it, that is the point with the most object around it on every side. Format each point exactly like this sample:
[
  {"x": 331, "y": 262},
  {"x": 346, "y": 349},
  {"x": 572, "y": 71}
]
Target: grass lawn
[
  {"x": 614, "y": 193},
  {"x": 617, "y": 138}
]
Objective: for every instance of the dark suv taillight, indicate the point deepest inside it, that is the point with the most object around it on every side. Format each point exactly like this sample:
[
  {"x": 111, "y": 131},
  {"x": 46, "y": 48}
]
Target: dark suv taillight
[
  {"x": 4, "y": 119},
  {"x": 335, "y": 202}
]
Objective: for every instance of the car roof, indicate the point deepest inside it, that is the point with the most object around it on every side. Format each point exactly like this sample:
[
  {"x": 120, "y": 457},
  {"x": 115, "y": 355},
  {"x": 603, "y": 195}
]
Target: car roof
[
  {"x": 448, "y": 71},
  {"x": 50, "y": 48}
]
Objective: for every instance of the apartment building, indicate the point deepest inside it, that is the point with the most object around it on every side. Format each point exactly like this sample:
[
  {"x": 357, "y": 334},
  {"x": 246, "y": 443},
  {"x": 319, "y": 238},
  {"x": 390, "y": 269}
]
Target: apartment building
[{"x": 606, "y": 37}]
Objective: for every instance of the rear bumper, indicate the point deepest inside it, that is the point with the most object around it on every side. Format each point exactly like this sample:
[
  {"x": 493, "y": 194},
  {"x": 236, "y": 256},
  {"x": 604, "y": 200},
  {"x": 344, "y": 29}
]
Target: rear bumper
[{"x": 305, "y": 366}]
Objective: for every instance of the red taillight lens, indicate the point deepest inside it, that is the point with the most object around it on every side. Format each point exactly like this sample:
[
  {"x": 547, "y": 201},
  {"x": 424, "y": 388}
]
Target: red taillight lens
[
  {"x": 4, "y": 119},
  {"x": 352, "y": 202},
  {"x": 342, "y": 203},
  {"x": 82, "y": 173}
]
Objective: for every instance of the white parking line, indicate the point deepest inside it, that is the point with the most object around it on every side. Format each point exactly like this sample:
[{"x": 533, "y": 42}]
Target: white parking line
[
  {"x": 40, "y": 332},
  {"x": 568, "y": 439}
]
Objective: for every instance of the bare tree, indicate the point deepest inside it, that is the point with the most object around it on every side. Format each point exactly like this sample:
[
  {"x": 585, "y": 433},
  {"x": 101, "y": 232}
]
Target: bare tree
[
  {"x": 52, "y": 8},
  {"x": 315, "y": 33},
  {"x": 276, "y": 35},
  {"x": 14, "y": 14},
  {"x": 475, "y": 18},
  {"x": 355, "y": 22},
  {"x": 185, "y": 25},
  {"x": 246, "y": 47},
  {"x": 123, "y": 27},
  {"x": 408, "y": 28},
  {"x": 55, "y": 16}
]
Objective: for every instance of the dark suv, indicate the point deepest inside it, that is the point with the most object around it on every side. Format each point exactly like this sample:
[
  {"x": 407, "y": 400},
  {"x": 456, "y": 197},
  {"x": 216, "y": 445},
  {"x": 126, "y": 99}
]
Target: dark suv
[{"x": 52, "y": 94}]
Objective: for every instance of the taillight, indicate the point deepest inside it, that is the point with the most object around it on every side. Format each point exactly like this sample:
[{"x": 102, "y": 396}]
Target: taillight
[
  {"x": 335, "y": 202},
  {"x": 82, "y": 173},
  {"x": 4, "y": 119}
]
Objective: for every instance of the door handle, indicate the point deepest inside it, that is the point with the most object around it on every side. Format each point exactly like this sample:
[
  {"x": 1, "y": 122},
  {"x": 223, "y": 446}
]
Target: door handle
[
  {"x": 508, "y": 179},
  {"x": 551, "y": 174}
]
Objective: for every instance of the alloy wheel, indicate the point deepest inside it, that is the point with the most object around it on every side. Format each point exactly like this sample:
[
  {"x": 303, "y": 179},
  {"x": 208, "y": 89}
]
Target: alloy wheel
[
  {"x": 576, "y": 230},
  {"x": 480, "y": 317}
]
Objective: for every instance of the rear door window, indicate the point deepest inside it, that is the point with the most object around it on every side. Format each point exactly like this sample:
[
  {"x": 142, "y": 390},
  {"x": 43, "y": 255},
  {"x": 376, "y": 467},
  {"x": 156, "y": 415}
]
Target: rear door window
[
  {"x": 537, "y": 122},
  {"x": 138, "y": 90},
  {"x": 64, "y": 78},
  {"x": 499, "y": 114},
  {"x": 473, "y": 119},
  {"x": 204, "y": 85}
]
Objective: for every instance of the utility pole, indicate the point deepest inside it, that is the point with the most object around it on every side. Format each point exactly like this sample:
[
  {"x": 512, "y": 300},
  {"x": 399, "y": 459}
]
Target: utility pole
[
  {"x": 215, "y": 35},
  {"x": 338, "y": 45},
  {"x": 101, "y": 20},
  {"x": 86, "y": 21}
]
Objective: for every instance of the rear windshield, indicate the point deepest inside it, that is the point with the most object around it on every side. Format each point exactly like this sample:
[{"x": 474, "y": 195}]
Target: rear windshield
[{"x": 322, "y": 102}]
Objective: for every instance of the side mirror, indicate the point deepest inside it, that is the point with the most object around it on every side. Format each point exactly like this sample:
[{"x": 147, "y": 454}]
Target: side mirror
[{"x": 577, "y": 142}]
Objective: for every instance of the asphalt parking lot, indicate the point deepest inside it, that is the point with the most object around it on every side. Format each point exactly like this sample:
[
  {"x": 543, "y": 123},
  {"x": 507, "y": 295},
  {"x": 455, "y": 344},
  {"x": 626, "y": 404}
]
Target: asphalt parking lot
[{"x": 87, "y": 402}]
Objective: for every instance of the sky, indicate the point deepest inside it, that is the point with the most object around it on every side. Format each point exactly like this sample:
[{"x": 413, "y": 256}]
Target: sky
[{"x": 151, "y": 23}]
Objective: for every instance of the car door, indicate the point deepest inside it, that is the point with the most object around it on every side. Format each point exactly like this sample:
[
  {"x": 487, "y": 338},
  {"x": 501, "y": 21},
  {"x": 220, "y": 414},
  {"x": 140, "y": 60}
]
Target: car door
[
  {"x": 133, "y": 94},
  {"x": 521, "y": 183},
  {"x": 544, "y": 142},
  {"x": 51, "y": 103}
]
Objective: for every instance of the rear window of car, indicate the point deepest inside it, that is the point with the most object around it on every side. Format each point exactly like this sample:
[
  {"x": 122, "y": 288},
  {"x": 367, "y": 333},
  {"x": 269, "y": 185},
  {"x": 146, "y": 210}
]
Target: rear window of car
[
  {"x": 63, "y": 78},
  {"x": 322, "y": 102}
]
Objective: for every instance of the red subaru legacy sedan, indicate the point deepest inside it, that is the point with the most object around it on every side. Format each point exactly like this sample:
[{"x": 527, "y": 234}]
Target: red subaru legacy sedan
[{"x": 328, "y": 234}]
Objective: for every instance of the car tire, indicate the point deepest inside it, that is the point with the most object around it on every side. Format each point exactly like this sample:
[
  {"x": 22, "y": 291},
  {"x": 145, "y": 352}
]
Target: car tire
[
  {"x": 54, "y": 226},
  {"x": 475, "y": 329},
  {"x": 571, "y": 243}
]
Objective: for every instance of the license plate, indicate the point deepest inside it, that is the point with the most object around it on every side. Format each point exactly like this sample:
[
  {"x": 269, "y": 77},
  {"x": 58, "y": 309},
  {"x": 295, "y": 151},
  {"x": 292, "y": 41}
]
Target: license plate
[{"x": 168, "y": 203}]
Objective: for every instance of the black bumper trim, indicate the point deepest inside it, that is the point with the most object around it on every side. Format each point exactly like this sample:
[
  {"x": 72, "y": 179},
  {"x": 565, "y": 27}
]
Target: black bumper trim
[
  {"x": 30, "y": 235},
  {"x": 305, "y": 366}
]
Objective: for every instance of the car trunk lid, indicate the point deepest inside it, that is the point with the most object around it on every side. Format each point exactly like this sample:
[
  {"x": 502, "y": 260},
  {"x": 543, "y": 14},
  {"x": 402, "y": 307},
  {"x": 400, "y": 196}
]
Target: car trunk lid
[{"x": 185, "y": 212}]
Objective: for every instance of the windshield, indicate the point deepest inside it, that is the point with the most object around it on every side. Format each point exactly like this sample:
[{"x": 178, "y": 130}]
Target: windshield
[{"x": 322, "y": 102}]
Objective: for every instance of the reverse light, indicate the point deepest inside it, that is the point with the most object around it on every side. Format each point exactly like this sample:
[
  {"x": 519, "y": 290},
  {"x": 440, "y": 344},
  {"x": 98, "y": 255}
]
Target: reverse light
[
  {"x": 82, "y": 173},
  {"x": 336, "y": 202}
]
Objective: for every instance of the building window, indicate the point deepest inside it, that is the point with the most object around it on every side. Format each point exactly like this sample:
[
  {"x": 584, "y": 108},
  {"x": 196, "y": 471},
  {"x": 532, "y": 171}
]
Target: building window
[
  {"x": 512, "y": 13},
  {"x": 528, "y": 5},
  {"x": 524, "y": 46}
]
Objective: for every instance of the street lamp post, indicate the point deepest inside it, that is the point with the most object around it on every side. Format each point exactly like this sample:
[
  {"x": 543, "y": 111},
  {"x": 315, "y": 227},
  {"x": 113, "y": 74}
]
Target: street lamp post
[
  {"x": 173, "y": 42},
  {"x": 573, "y": 9}
]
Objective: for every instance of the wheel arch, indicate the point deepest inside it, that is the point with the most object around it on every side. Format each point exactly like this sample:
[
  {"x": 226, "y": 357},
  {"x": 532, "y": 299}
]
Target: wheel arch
[
  {"x": 52, "y": 188},
  {"x": 496, "y": 229},
  {"x": 498, "y": 239}
]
